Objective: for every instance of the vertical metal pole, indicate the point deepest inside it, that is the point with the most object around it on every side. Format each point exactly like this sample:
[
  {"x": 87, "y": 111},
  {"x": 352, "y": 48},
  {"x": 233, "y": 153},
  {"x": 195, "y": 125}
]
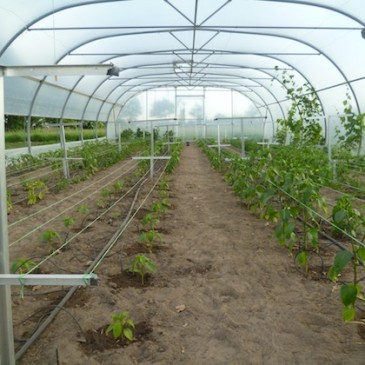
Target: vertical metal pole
[
  {"x": 6, "y": 318},
  {"x": 119, "y": 139},
  {"x": 329, "y": 136},
  {"x": 203, "y": 104},
  {"x": 82, "y": 133},
  {"x": 152, "y": 151},
  {"x": 219, "y": 139},
  {"x": 66, "y": 172},
  {"x": 144, "y": 130},
  {"x": 28, "y": 132},
  {"x": 242, "y": 141},
  {"x": 177, "y": 127},
  {"x": 232, "y": 112},
  {"x": 168, "y": 140}
]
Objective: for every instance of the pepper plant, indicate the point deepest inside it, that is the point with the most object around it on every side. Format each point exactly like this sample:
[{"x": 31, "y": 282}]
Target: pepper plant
[
  {"x": 148, "y": 239},
  {"x": 122, "y": 326},
  {"x": 142, "y": 265},
  {"x": 350, "y": 222}
]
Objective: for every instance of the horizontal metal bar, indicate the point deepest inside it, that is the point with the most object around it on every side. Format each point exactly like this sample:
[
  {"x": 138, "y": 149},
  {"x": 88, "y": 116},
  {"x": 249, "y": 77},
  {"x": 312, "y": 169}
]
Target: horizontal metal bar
[
  {"x": 151, "y": 157},
  {"x": 49, "y": 279},
  {"x": 232, "y": 118},
  {"x": 64, "y": 158},
  {"x": 219, "y": 145},
  {"x": 55, "y": 70},
  {"x": 192, "y": 27},
  {"x": 48, "y": 125}
]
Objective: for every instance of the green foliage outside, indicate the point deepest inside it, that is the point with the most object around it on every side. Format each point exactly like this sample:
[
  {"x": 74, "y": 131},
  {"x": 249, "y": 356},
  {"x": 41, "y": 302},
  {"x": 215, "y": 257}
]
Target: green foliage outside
[{"x": 17, "y": 138}]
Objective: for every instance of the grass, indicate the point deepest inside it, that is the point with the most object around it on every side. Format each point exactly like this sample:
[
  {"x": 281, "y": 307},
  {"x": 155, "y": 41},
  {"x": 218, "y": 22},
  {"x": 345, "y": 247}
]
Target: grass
[{"x": 42, "y": 136}]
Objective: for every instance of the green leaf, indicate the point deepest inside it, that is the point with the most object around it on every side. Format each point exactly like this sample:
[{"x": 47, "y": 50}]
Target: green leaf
[
  {"x": 360, "y": 253},
  {"x": 342, "y": 259},
  {"x": 127, "y": 332},
  {"x": 348, "y": 313},
  {"x": 333, "y": 273},
  {"x": 302, "y": 258},
  {"x": 340, "y": 216},
  {"x": 117, "y": 330},
  {"x": 348, "y": 294}
]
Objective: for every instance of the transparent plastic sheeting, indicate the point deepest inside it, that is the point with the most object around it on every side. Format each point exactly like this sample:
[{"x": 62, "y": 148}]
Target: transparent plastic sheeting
[{"x": 234, "y": 44}]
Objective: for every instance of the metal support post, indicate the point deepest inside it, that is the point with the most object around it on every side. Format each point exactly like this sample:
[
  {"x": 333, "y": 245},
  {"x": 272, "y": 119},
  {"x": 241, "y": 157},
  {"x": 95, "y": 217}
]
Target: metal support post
[
  {"x": 119, "y": 139},
  {"x": 243, "y": 152},
  {"x": 66, "y": 171},
  {"x": 152, "y": 151},
  {"x": 6, "y": 318}
]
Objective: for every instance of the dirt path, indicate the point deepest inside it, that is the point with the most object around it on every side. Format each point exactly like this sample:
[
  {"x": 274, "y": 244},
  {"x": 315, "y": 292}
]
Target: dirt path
[{"x": 243, "y": 302}]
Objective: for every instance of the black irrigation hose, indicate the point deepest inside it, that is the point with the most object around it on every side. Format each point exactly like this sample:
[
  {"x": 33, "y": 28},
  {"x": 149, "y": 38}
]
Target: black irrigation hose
[{"x": 70, "y": 293}]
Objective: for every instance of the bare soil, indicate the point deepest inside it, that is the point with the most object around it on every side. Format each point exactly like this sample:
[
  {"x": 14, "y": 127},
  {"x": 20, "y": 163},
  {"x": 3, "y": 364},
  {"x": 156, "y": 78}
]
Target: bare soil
[{"x": 224, "y": 293}]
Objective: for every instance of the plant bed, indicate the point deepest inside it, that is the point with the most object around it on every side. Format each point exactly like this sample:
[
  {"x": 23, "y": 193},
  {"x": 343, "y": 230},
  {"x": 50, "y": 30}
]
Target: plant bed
[
  {"x": 99, "y": 340},
  {"x": 127, "y": 279}
]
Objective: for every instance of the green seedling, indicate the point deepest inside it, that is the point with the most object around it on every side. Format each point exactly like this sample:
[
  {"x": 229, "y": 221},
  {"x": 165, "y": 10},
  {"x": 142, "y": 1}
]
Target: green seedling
[
  {"x": 62, "y": 184},
  {"x": 52, "y": 238},
  {"x": 9, "y": 202},
  {"x": 118, "y": 186},
  {"x": 68, "y": 222},
  {"x": 159, "y": 207},
  {"x": 121, "y": 326},
  {"x": 164, "y": 185},
  {"x": 84, "y": 209},
  {"x": 106, "y": 193},
  {"x": 150, "y": 220},
  {"x": 142, "y": 265},
  {"x": 148, "y": 238},
  {"x": 21, "y": 266},
  {"x": 100, "y": 203},
  {"x": 35, "y": 190}
]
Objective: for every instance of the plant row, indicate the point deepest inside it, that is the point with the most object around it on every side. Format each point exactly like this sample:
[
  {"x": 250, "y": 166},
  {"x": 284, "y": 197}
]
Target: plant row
[
  {"x": 284, "y": 186},
  {"x": 150, "y": 238}
]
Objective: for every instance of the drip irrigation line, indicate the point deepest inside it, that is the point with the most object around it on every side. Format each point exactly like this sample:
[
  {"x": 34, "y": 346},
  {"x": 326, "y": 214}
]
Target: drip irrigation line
[
  {"x": 56, "y": 216},
  {"x": 70, "y": 196},
  {"x": 32, "y": 167},
  {"x": 40, "y": 329},
  {"x": 318, "y": 215},
  {"x": 81, "y": 231},
  {"x": 41, "y": 326},
  {"x": 116, "y": 237}
]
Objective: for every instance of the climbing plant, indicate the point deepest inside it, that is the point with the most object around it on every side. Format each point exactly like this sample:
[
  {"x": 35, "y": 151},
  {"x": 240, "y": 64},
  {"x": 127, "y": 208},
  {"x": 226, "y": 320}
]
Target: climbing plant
[{"x": 301, "y": 121}]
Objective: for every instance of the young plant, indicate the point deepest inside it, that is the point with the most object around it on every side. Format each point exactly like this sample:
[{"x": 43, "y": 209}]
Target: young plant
[
  {"x": 118, "y": 186},
  {"x": 21, "y": 266},
  {"x": 100, "y": 203},
  {"x": 149, "y": 220},
  {"x": 160, "y": 207},
  {"x": 348, "y": 221},
  {"x": 84, "y": 209},
  {"x": 9, "y": 202},
  {"x": 52, "y": 238},
  {"x": 35, "y": 190},
  {"x": 121, "y": 326},
  {"x": 106, "y": 193},
  {"x": 68, "y": 222},
  {"x": 148, "y": 238},
  {"x": 142, "y": 265}
]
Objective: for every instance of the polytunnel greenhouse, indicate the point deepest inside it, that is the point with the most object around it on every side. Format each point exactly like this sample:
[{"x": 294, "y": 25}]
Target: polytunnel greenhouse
[{"x": 182, "y": 182}]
